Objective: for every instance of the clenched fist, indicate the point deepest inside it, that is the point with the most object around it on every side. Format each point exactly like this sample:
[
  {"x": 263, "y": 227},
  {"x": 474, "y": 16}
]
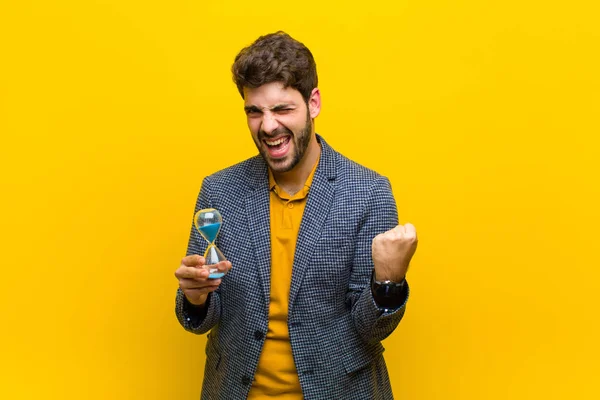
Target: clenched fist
[
  {"x": 193, "y": 278},
  {"x": 392, "y": 252}
]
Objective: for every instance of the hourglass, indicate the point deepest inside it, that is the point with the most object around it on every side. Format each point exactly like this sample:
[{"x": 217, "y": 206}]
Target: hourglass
[{"x": 208, "y": 223}]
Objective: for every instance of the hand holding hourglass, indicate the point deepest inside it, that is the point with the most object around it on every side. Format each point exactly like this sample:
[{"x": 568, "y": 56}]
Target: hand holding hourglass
[
  {"x": 208, "y": 223},
  {"x": 200, "y": 275}
]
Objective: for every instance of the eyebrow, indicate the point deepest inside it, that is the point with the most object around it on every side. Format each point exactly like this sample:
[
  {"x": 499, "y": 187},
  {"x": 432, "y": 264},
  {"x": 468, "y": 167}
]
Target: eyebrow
[{"x": 279, "y": 107}]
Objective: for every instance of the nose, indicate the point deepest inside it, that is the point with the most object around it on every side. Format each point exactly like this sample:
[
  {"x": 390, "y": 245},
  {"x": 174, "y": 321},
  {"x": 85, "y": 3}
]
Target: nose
[{"x": 269, "y": 123}]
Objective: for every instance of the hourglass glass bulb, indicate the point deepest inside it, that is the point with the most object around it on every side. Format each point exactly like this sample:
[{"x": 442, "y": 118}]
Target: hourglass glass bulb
[{"x": 208, "y": 223}]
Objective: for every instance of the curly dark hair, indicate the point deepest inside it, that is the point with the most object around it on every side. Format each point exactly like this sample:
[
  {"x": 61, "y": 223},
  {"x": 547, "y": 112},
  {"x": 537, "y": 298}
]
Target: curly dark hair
[{"x": 276, "y": 57}]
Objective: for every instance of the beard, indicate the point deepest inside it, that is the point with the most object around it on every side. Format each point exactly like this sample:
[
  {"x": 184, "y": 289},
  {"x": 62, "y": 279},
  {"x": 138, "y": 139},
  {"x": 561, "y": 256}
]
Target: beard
[{"x": 301, "y": 141}]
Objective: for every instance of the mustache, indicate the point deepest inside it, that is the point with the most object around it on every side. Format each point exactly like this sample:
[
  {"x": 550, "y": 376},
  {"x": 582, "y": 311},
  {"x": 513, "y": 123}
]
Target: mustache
[{"x": 264, "y": 135}]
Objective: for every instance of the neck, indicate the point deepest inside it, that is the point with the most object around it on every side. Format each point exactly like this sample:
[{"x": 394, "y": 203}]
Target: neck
[{"x": 293, "y": 181}]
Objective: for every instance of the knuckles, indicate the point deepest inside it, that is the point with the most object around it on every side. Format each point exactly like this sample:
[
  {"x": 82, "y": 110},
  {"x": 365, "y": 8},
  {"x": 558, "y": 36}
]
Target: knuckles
[
  {"x": 384, "y": 239},
  {"x": 391, "y": 242}
]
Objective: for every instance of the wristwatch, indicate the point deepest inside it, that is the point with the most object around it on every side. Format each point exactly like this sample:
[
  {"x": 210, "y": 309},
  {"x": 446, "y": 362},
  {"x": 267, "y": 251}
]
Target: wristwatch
[{"x": 386, "y": 293}]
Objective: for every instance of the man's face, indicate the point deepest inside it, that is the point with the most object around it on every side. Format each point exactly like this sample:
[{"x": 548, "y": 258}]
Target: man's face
[{"x": 280, "y": 123}]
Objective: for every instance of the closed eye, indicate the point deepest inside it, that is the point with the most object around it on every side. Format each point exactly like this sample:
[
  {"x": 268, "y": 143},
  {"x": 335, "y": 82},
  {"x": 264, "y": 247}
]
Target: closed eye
[
  {"x": 283, "y": 108},
  {"x": 252, "y": 111}
]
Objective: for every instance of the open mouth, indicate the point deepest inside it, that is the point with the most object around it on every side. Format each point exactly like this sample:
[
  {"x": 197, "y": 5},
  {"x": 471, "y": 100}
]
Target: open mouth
[{"x": 278, "y": 147}]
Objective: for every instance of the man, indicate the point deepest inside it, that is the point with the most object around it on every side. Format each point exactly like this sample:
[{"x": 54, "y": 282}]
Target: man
[{"x": 319, "y": 262}]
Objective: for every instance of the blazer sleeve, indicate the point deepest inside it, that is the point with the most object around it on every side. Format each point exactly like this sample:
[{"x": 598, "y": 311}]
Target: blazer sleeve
[
  {"x": 192, "y": 319},
  {"x": 380, "y": 215}
]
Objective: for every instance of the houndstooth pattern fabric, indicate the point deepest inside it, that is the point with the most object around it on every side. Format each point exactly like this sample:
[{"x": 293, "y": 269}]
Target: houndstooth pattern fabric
[{"x": 335, "y": 325}]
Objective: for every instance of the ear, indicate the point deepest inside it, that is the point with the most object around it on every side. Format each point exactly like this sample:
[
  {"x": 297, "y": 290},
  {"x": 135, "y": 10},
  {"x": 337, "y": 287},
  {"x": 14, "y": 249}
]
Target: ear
[{"x": 314, "y": 103}]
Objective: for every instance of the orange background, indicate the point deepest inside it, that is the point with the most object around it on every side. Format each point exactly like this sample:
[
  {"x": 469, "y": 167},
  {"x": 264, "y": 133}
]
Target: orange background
[{"x": 484, "y": 115}]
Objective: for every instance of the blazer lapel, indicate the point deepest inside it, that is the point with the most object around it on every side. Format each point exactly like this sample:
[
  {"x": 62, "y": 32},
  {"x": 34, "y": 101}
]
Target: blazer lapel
[
  {"x": 259, "y": 226},
  {"x": 320, "y": 199}
]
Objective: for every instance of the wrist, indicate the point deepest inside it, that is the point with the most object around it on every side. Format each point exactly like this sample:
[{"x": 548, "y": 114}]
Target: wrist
[{"x": 198, "y": 303}]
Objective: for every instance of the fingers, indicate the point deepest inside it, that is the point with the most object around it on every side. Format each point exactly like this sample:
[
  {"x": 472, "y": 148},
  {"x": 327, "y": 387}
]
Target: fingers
[
  {"x": 193, "y": 261},
  {"x": 184, "y": 272},
  {"x": 399, "y": 229},
  {"x": 198, "y": 273},
  {"x": 223, "y": 266},
  {"x": 193, "y": 284},
  {"x": 407, "y": 230},
  {"x": 193, "y": 275},
  {"x": 410, "y": 231}
]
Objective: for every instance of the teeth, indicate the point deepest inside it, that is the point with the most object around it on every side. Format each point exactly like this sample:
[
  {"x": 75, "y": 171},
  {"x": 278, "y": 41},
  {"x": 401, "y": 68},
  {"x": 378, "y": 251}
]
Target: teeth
[{"x": 275, "y": 142}]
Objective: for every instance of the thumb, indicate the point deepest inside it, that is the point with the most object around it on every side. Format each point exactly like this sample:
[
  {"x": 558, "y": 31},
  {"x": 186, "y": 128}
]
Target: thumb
[{"x": 410, "y": 228}]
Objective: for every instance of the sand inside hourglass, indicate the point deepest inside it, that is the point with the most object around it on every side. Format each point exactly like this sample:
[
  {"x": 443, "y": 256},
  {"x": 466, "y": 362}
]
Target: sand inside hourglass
[{"x": 209, "y": 231}]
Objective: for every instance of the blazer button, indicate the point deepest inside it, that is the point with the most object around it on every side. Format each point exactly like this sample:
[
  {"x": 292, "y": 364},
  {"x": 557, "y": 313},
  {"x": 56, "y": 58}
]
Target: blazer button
[
  {"x": 258, "y": 335},
  {"x": 246, "y": 380}
]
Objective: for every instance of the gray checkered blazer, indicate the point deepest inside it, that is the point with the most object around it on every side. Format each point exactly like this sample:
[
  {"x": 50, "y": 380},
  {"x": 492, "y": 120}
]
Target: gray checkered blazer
[{"x": 335, "y": 325}]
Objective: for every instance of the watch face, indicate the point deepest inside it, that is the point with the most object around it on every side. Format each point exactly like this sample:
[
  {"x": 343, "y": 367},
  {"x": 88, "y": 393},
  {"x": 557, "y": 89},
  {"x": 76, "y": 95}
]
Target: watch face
[
  {"x": 388, "y": 289},
  {"x": 387, "y": 294}
]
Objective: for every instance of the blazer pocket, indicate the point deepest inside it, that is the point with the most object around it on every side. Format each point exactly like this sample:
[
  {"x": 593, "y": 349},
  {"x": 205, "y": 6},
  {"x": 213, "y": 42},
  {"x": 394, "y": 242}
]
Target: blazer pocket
[{"x": 359, "y": 357}]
